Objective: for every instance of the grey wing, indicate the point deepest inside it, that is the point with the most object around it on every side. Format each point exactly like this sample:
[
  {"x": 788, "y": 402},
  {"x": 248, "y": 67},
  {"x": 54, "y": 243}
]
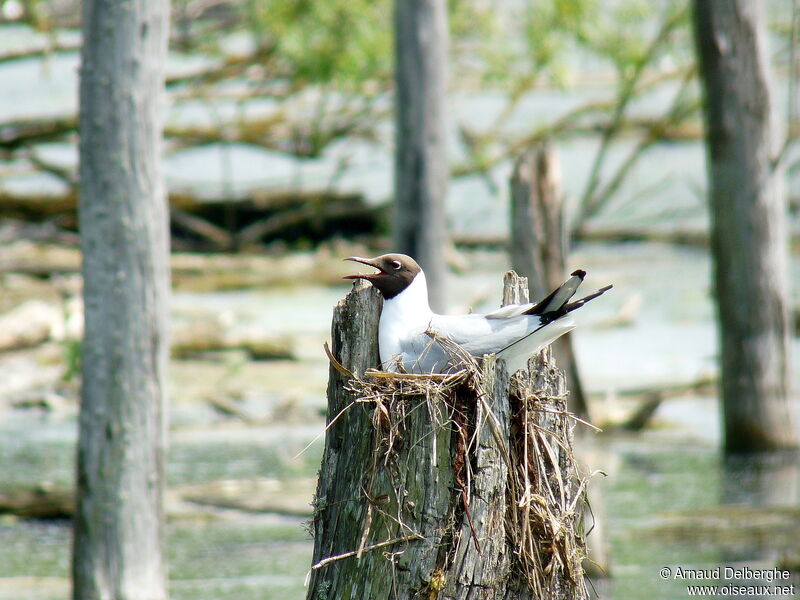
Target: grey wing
[
  {"x": 480, "y": 335},
  {"x": 510, "y": 310},
  {"x": 423, "y": 354}
]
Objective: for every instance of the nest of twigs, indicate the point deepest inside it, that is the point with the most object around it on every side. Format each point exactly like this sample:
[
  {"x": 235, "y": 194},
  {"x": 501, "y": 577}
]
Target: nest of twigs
[
  {"x": 545, "y": 520},
  {"x": 545, "y": 493},
  {"x": 393, "y": 394}
]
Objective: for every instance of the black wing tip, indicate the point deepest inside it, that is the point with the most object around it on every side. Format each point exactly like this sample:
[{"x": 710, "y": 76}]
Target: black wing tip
[
  {"x": 579, "y": 273},
  {"x": 578, "y": 303}
]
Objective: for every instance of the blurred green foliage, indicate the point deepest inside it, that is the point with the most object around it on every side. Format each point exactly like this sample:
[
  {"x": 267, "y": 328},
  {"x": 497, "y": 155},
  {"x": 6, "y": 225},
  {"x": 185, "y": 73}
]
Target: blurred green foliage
[
  {"x": 343, "y": 41},
  {"x": 72, "y": 352},
  {"x": 350, "y": 41}
]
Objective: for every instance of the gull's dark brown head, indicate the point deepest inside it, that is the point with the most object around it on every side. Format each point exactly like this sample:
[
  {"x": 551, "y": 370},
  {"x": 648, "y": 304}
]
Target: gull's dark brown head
[{"x": 395, "y": 272}]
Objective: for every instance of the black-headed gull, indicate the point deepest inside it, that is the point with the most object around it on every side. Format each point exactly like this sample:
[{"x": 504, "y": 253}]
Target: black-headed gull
[{"x": 408, "y": 327}]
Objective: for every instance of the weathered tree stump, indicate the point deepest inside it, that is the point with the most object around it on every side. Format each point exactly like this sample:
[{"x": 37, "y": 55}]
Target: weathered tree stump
[
  {"x": 454, "y": 486},
  {"x": 539, "y": 242}
]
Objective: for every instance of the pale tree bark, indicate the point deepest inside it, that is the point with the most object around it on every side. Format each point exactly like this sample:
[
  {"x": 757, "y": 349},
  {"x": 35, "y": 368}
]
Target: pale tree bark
[
  {"x": 118, "y": 550},
  {"x": 421, "y": 170},
  {"x": 459, "y": 488},
  {"x": 539, "y": 246},
  {"x": 748, "y": 225}
]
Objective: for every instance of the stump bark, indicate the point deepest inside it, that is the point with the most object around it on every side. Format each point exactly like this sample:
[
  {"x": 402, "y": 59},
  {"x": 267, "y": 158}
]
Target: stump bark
[{"x": 458, "y": 486}]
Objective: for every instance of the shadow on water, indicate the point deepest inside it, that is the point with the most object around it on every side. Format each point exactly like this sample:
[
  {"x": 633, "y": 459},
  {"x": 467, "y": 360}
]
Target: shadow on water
[
  {"x": 761, "y": 480},
  {"x": 733, "y": 523},
  {"x": 759, "y": 504}
]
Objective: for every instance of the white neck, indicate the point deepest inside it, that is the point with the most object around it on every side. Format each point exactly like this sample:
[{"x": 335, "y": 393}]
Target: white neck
[
  {"x": 411, "y": 304},
  {"x": 406, "y": 315}
]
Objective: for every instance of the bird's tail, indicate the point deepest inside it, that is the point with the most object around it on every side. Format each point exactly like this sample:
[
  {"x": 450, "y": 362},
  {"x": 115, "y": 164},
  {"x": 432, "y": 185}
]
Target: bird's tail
[
  {"x": 557, "y": 303},
  {"x": 517, "y": 353},
  {"x": 554, "y": 318}
]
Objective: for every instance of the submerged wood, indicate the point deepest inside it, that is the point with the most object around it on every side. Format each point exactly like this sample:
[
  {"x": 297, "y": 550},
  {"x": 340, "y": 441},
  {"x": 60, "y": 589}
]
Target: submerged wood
[{"x": 459, "y": 486}]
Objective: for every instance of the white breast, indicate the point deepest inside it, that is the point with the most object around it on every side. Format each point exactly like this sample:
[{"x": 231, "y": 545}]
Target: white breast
[{"x": 404, "y": 317}]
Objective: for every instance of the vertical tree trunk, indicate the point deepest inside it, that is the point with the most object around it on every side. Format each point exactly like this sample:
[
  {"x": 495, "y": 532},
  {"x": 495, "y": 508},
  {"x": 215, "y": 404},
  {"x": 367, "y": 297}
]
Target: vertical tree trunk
[
  {"x": 538, "y": 246},
  {"x": 456, "y": 486},
  {"x": 118, "y": 541},
  {"x": 421, "y": 171},
  {"x": 748, "y": 217}
]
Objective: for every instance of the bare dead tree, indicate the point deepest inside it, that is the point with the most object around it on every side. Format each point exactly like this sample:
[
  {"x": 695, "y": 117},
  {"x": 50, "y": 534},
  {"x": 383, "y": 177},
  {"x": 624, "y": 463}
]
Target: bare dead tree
[
  {"x": 421, "y": 171},
  {"x": 124, "y": 222},
  {"x": 539, "y": 242},
  {"x": 748, "y": 225}
]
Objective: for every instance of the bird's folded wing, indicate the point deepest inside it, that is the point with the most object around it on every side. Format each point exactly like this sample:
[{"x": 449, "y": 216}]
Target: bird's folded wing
[
  {"x": 508, "y": 311},
  {"x": 480, "y": 335}
]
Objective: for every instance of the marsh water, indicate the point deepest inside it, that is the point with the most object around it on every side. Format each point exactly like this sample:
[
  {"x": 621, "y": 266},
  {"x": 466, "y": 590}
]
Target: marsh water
[{"x": 669, "y": 498}]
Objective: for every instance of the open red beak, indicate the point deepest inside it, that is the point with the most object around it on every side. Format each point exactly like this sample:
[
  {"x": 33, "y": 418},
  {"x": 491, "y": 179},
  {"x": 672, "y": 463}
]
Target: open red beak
[{"x": 364, "y": 261}]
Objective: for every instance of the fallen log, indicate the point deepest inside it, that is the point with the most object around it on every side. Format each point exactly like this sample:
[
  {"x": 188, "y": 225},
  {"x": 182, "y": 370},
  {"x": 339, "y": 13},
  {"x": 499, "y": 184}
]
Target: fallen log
[
  {"x": 24, "y": 132},
  {"x": 29, "y": 324},
  {"x": 291, "y": 497},
  {"x": 692, "y": 239},
  {"x": 40, "y": 502},
  {"x": 264, "y": 495},
  {"x": 200, "y": 337},
  {"x": 195, "y": 272},
  {"x": 35, "y": 322},
  {"x": 200, "y": 222},
  {"x": 702, "y": 385},
  {"x": 274, "y": 132},
  {"x": 453, "y": 486}
]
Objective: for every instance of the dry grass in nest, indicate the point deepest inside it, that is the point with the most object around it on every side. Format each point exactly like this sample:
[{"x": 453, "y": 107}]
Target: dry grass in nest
[{"x": 393, "y": 394}]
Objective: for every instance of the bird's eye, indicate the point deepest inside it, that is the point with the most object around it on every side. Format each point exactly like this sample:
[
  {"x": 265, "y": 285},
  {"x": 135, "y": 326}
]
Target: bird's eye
[{"x": 396, "y": 264}]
